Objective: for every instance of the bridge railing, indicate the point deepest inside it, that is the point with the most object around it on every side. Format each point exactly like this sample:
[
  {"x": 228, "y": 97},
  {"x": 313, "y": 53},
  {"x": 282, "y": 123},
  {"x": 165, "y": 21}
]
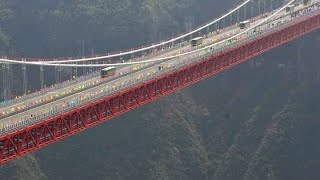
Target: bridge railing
[
  {"x": 179, "y": 62},
  {"x": 68, "y": 83}
]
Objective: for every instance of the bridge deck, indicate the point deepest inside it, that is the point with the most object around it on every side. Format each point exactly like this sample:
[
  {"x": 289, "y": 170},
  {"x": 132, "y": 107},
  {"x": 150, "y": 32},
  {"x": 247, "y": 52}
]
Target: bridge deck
[
  {"x": 125, "y": 78},
  {"x": 177, "y": 74}
]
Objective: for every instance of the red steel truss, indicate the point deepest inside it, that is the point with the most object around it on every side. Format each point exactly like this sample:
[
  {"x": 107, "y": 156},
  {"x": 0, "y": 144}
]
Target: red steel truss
[{"x": 46, "y": 132}]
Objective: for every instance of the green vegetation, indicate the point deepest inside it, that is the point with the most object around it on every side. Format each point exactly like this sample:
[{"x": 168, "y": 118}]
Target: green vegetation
[
  {"x": 58, "y": 28},
  {"x": 258, "y": 120}
]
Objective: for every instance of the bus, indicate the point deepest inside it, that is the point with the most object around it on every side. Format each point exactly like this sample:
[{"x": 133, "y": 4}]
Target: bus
[
  {"x": 196, "y": 41},
  {"x": 290, "y": 8},
  {"x": 108, "y": 71},
  {"x": 244, "y": 24}
]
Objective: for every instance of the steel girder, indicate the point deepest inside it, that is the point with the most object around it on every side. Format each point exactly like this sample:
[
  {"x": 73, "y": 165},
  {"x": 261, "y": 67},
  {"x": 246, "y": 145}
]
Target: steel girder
[{"x": 46, "y": 132}]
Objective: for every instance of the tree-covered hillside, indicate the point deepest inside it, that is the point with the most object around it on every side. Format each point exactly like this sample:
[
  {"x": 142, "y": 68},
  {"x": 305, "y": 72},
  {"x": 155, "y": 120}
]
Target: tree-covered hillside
[
  {"x": 258, "y": 120},
  {"x": 59, "y": 27}
]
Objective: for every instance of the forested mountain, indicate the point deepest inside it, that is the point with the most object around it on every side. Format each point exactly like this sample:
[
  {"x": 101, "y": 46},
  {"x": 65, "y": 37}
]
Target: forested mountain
[
  {"x": 258, "y": 120},
  {"x": 58, "y": 27}
]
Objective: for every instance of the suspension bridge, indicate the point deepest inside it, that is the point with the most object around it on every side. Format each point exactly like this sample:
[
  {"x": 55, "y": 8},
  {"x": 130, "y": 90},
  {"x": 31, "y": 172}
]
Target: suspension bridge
[{"x": 33, "y": 120}]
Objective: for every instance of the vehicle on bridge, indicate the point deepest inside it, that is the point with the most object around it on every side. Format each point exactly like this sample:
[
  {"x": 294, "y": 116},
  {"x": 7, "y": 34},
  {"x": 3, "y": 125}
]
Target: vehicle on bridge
[
  {"x": 244, "y": 24},
  {"x": 196, "y": 41},
  {"x": 108, "y": 71},
  {"x": 290, "y": 8},
  {"x": 307, "y": 2}
]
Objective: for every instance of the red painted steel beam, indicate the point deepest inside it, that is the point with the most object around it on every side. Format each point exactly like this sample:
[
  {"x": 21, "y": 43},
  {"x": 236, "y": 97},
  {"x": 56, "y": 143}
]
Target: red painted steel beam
[{"x": 46, "y": 132}]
